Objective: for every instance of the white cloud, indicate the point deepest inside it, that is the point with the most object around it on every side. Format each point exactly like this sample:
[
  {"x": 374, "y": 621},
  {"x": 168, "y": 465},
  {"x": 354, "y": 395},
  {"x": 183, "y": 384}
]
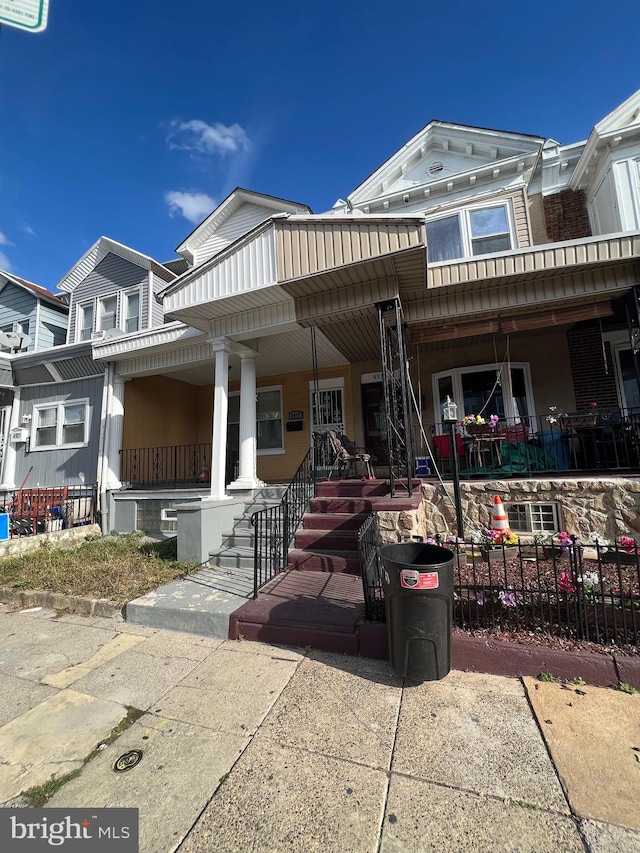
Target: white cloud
[
  {"x": 217, "y": 138},
  {"x": 193, "y": 206},
  {"x": 4, "y": 240},
  {"x": 27, "y": 229},
  {"x": 5, "y": 263}
]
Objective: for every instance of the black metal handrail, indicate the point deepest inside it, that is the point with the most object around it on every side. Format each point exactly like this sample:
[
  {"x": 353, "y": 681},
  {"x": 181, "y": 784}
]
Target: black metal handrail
[
  {"x": 173, "y": 465},
  {"x": 275, "y": 527},
  {"x": 554, "y": 441},
  {"x": 368, "y": 544}
]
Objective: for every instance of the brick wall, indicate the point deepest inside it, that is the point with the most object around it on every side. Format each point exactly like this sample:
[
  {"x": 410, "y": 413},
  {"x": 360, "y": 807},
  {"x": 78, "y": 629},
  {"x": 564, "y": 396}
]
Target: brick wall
[
  {"x": 566, "y": 215},
  {"x": 593, "y": 378}
]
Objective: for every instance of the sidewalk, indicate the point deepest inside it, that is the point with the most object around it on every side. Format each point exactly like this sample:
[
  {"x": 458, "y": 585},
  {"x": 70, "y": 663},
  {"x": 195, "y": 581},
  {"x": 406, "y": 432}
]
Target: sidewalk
[{"x": 248, "y": 747}]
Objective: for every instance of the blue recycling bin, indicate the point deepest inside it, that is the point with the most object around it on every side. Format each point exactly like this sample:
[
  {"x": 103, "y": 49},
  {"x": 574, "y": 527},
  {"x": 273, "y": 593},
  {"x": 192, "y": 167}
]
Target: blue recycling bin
[
  {"x": 422, "y": 466},
  {"x": 4, "y": 525},
  {"x": 555, "y": 444}
]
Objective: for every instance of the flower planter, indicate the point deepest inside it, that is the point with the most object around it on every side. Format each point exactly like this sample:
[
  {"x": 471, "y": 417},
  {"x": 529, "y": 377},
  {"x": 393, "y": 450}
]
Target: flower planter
[
  {"x": 554, "y": 552},
  {"x": 622, "y": 558},
  {"x": 480, "y": 430},
  {"x": 498, "y": 555}
]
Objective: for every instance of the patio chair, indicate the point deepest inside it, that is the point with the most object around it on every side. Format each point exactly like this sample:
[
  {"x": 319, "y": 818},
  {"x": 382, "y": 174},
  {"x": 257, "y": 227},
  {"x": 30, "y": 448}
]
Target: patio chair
[{"x": 347, "y": 454}]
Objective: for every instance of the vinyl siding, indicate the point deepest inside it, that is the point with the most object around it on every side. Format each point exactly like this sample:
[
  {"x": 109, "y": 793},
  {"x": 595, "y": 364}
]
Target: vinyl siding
[
  {"x": 16, "y": 304},
  {"x": 246, "y": 218},
  {"x": 53, "y": 327},
  {"x": 112, "y": 274},
  {"x": 64, "y": 466},
  {"x": 157, "y": 311}
]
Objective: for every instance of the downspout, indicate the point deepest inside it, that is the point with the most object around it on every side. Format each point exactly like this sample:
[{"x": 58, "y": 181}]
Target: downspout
[
  {"x": 102, "y": 450},
  {"x": 36, "y": 334}
]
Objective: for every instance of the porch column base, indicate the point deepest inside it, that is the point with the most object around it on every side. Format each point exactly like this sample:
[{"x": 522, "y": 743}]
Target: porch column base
[{"x": 242, "y": 484}]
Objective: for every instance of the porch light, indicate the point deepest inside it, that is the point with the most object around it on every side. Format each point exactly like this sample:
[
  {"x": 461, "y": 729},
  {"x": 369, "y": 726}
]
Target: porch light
[{"x": 450, "y": 412}]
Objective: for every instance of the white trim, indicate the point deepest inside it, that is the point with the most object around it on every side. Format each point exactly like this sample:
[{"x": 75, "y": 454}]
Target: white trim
[
  {"x": 464, "y": 222},
  {"x": 150, "y": 302},
  {"x": 61, "y": 405},
  {"x": 36, "y": 333},
  {"x": 327, "y": 384}
]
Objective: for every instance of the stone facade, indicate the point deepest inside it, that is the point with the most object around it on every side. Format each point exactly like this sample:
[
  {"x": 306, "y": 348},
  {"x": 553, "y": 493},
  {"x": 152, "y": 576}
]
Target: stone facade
[{"x": 610, "y": 507}]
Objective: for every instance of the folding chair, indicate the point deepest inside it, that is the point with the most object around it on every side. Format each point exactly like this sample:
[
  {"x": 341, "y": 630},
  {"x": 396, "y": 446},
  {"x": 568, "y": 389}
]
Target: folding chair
[{"x": 346, "y": 454}]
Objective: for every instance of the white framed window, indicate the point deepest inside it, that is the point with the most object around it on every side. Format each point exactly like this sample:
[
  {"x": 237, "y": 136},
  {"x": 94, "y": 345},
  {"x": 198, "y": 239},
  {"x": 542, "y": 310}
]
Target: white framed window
[
  {"x": 107, "y": 313},
  {"x": 471, "y": 231},
  {"x": 533, "y": 517},
  {"x": 487, "y": 389},
  {"x": 85, "y": 321},
  {"x": 131, "y": 311},
  {"x": 269, "y": 421},
  {"x": 120, "y": 310},
  {"x": 269, "y": 437},
  {"x": 64, "y": 424}
]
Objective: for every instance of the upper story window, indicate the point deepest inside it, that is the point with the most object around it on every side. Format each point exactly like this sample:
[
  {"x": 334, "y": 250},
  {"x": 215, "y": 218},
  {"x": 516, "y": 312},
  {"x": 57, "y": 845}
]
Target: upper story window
[
  {"x": 468, "y": 232},
  {"x": 62, "y": 424},
  {"x": 113, "y": 311}
]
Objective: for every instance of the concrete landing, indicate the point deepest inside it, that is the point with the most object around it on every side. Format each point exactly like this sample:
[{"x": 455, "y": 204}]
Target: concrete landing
[{"x": 197, "y": 604}]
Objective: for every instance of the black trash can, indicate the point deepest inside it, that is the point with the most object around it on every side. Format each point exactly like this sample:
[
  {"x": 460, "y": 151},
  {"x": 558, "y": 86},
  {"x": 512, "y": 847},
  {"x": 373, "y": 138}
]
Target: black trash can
[{"x": 418, "y": 596}]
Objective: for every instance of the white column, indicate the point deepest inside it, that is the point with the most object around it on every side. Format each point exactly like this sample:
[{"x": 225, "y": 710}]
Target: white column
[
  {"x": 113, "y": 440},
  {"x": 10, "y": 455},
  {"x": 221, "y": 348},
  {"x": 247, "y": 477}
]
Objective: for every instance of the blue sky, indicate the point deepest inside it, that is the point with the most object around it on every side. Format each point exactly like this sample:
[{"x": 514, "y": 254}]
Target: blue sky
[{"x": 131, "y": 119}]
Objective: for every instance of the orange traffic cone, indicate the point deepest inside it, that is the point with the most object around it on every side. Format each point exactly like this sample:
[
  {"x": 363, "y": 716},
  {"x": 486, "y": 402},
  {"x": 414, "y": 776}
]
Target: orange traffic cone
[{"x": 499, "y": 520}]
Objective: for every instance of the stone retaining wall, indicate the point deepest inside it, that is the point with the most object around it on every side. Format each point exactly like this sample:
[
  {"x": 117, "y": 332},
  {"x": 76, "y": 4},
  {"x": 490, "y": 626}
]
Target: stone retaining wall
[
  {"x": 610, "y": 507},
  {"x": 70, "y": 538}
]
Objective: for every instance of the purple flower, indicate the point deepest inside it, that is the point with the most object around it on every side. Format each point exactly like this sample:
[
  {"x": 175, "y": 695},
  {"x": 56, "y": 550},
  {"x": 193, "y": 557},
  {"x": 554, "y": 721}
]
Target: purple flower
[
  {"x": 509, "y": 597},
  {"x": 480, "y": 597}
]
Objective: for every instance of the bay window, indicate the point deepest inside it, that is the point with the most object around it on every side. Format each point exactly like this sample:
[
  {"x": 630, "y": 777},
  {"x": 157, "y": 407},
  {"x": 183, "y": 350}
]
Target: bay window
[
  {"x": 468, "y": 232},
  {"x": 119, "y": 310}
]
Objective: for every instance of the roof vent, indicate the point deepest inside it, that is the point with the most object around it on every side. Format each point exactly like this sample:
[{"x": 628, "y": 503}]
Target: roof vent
[{"x": 436, "y": 167}]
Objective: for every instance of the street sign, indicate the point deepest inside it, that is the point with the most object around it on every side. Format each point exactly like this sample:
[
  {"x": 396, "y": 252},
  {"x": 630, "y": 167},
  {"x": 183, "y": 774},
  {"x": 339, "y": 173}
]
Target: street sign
[{"x": 24, "y": 14}]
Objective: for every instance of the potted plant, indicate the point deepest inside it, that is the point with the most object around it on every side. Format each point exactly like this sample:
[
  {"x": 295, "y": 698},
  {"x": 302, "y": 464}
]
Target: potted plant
[
  {"x": 477, "y": 425},
  {"x": 497, "y": 545}
]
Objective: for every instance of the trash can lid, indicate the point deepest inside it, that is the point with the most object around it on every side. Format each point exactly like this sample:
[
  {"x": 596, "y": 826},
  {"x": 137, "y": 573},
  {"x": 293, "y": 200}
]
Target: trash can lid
[{"x": 416, "y": 554}]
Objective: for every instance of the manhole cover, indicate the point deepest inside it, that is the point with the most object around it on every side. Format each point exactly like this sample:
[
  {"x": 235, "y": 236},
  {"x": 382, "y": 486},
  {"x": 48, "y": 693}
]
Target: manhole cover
[{"x": 128, "y": 760}]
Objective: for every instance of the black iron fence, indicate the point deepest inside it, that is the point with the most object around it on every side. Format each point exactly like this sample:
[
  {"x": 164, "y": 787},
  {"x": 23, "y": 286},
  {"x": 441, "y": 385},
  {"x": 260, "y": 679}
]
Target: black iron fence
[
  {"x": 172, "y": 466},
  {"x": 592, "y": 441},
  {"x": 28, "y": 512},
  {"x": 575, "y": 591},
  {"x": 275, "y": 527}
]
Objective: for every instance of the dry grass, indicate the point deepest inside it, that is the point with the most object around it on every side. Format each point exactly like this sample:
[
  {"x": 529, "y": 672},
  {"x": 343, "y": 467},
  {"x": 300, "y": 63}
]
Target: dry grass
[{"x": 117, "y": 567}]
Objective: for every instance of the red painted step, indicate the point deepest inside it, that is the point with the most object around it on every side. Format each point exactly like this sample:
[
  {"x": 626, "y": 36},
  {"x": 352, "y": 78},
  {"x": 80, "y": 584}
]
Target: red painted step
[
  {"x": 339, "y": 562},
  {"x": 333, "y": 521},
  {"x": 337, "y": 504},
  {"x": 327, "y": 540}
]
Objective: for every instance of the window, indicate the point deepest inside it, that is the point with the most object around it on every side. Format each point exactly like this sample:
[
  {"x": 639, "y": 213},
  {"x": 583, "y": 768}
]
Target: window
[
  {"x": 107, "y": 313},
  {"x": 534, "y": 517},
  {"x": 121, "y": 310},
  {"x": 131, "y": 312},
  {"x": 269, "y": 419},
  {"x": 85, "y": 321},
  {"x": 60, "y": 424},
  {"x": 474, "y": 231}
]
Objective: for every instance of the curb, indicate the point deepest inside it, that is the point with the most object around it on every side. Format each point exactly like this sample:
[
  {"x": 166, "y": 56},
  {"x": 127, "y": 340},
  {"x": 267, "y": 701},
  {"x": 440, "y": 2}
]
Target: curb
[{"x": 59, "y": 601}]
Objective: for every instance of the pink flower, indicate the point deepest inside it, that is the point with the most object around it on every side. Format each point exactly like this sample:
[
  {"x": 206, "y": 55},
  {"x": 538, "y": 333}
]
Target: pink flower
[{"x": 565, "y": 583}]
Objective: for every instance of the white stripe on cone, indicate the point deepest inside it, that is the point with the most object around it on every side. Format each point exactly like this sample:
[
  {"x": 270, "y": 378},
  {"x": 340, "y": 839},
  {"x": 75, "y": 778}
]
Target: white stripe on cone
[{"x": 499, "y": 520}]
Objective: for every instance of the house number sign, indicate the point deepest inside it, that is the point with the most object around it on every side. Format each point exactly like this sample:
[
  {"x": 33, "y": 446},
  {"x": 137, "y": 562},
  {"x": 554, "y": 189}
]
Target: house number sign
[{"x": 296, "y": 416}]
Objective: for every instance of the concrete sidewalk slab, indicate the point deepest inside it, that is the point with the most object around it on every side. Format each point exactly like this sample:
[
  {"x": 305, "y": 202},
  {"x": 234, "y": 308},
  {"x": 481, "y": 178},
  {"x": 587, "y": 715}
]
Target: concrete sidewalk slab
[
  {"x": 605, "y": 838},
  {"x": 340, "y": 707},
  {"x": 241, "y": 671},
  {"x": 53, "y": 738},
  {"x": 593, "y": 735},
  {"x": 109, "y": 651},
  {"x": 181, "y": 767},
  {"x": 34, "y": 648},
  {"x": 280, "y": 798},
  {"x": 19, "y": 695},
  {"x": 136, "y": 679},
  {"x": 425, "y": 818},
  {"x": 477, "y": 740}
]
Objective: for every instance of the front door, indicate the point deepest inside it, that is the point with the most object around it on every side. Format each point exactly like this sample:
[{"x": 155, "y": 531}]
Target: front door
[
  {"x": 375, "y": 434},
  {"x": 327, "y": 406}
]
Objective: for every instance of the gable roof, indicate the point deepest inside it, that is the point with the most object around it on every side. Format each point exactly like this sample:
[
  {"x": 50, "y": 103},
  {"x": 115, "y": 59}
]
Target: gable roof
[
  {"x": 621, "y": 125},
  {"x": 35, "y": 289},
  {"x": 100, "y": 249},
  {"x": 228, "y": 207},
  {"x": 477, "y": 145}
]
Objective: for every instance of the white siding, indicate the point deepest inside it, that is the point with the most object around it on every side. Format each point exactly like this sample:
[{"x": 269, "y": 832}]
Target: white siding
[
  {"x": 627, "y": 183},
  {"x": 603, "y": 208},
  {"x": 241, "y": 222}
]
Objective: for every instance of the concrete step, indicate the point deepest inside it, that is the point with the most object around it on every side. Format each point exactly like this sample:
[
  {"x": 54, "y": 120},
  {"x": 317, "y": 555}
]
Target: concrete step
[
  {"x": 333, "y": 521},
  {"x": 326, "y": 540},
  {"x": 339, "y": 504},
  {"x": 340, "y": 562},
  {"x": 237, "y": 539},
  {"x": 232, "y": 558}
]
